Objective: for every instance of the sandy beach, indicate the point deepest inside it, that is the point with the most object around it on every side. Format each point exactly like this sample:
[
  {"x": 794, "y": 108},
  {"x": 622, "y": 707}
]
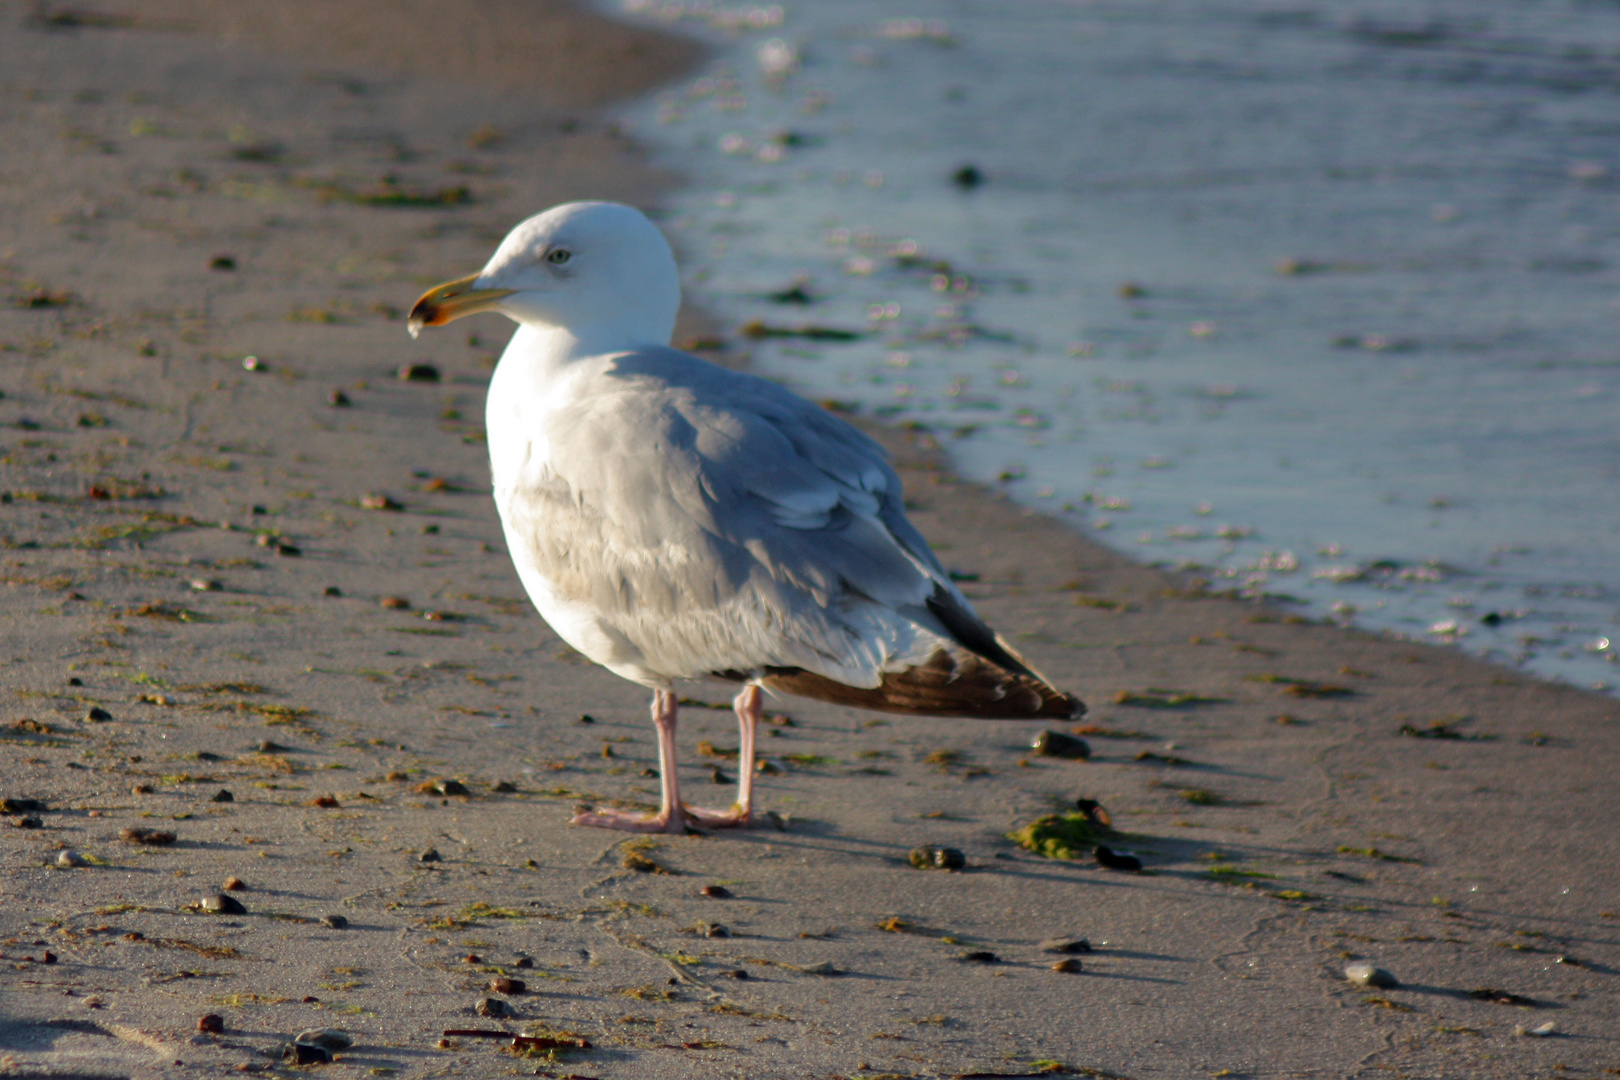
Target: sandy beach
[{"x": 283, "y": 578}]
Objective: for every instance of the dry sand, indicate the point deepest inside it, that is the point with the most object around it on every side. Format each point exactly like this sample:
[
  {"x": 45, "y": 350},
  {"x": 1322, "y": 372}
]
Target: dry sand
[{"x": 139, "y": 456}]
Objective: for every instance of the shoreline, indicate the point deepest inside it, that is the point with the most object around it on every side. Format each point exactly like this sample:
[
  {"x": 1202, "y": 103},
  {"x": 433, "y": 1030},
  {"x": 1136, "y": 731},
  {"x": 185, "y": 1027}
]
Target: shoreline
[{"x": 1277, "y": 850}]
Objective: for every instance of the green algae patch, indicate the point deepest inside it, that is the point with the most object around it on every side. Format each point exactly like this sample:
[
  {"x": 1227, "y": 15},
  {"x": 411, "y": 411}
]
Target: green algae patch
[{"x": 1063, "y": 836}]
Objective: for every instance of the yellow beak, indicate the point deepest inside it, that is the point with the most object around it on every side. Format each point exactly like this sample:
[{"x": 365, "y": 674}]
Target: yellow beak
[{"x": 450, "y": 301}]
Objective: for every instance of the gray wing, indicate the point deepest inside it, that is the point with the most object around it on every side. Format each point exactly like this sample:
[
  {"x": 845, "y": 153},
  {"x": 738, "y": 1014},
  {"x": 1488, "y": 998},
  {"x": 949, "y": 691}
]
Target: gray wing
[{"x": 713, "y": 488}]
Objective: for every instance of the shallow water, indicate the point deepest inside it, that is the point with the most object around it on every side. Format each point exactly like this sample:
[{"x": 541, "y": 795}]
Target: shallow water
[{"x": 1318, "y": 298}]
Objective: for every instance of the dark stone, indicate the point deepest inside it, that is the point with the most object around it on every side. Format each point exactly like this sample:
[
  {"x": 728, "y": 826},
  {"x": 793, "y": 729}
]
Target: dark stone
[
  {"x": 28, "y": 821},
  {"x": 716, "y": 892},
  {"x": 451, "y": 787},
  {"x": 97, "y": 715},
  {"x": 336, "y": 922},
  {"x": 1116, "y": 860},
  {"x": 23, "y": 806},
  {"x": 430, "y": 855},
  {"x": 223, "y": 904},
  {"x": 419, "y": 373},
  {"x": 222, "y": 262},
  {"x": 1066, "y": 945},
  {"x": 524, "y": 962},
  {"x": 223, "y": 795},
  {"x": 1094, "y": 811},
  {"x": 967, "y": 177},
  {"x": 504, "y": 787},
  {"x": 505, "y": 984},
  {"x": 1059, "y": 745},
  {"x": 297, "y": 1053},
  {"x": 339, "y": 400},
  {"x": 332, "y": 590},
  {"x": 492, "y": 1007},
  {"x": 979, "y": 956},
  {"x": 938, "y": 858},
  {"x": 211, "y": 1024}
]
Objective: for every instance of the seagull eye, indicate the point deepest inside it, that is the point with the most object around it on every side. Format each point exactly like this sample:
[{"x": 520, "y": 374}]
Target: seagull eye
[{"x": 558, "y": 257}]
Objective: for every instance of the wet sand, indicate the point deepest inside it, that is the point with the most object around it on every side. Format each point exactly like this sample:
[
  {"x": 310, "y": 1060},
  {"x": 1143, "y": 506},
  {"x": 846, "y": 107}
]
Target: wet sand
[{"x": 1256, "y": 763}]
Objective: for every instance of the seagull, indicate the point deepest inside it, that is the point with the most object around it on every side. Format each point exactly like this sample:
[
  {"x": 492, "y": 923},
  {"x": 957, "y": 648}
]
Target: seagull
[{"x": 673, "y": 520}]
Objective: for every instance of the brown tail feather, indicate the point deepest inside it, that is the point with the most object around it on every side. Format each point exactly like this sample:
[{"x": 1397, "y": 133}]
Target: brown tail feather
[{"x": 960, "y": 684}]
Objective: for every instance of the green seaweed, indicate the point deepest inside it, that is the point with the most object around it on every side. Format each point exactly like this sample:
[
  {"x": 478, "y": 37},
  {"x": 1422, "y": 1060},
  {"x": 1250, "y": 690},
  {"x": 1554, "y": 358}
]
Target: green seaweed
[{"x": 1063, "y": 836}]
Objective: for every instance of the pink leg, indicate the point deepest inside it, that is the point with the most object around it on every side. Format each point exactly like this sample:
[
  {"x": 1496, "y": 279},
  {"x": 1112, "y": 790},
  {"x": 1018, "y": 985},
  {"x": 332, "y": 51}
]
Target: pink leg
[
  {"x": 749, "y": 705},
  {"x": 669, "y": 818}
]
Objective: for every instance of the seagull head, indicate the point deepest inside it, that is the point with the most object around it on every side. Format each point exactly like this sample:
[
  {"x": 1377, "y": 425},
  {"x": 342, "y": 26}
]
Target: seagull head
[{"x": 598, "y": 270}]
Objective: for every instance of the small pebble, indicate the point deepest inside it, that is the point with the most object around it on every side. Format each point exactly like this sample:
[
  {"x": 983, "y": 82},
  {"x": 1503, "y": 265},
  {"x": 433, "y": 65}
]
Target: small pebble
[
  {"x": 716, "y": 892},
  {"x": 332, "y": 590},
  {"x": 1066, "y": 945},
  {"x": 1068, "y": 966},
  {"x": 491, "y": 1007},
  {"x": 206, "y": 585},
  {"x": 223, "y": 905},
  {"x": 222, "y": 795},
  {"x": 332, "y": 1039},
  {"x": 378, "y": 501},
  {"x": 716, "y": 931},
  {"x": 253, "y": 363},
  {"x": 979, "y": 956},
  {"x": 504, "y": 787},
  {"x": 430, "y": 855},
  {"x": 1540, "y": 1031},
  {"x": 1057, "y": 744},
  {"x": 23, "y": 806},
  {"x": 938, "y": 858},
  {"x": 141, "y": 789},
  {"x": 297, "y": 1053},
  {"x": 339, "y": 400},
  {"x": 967, "y": 177},
  {"x": 524, "y": 962},
  {"x": 70, "y": 859},
  {"x": 395, "y": 602},
  {"x": 718, "y": 777},
  {"x": 149, "y": 837},
  {"x": 1116, "y": 860},
  {"x": 97, "y": 715},
  {"x": 28, "y": 821},
  {"x": 1365, "y": 974},
  {"x": 505, "y": 984},
  {"x": 419, "y": 373},
  {"x": 472, "y": 958},
  {"x": 211, "y": 1024},
  {"x": 268, "y": 747},
  {"x": 234, "y": 884},
  {"x": 335, "y": 922},
  {"x": 738, "y": 974},
  {"x": 451, "y": 787},
  {"x": 325, "y": 802},
  {"x": 1094, "y": 811}
]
